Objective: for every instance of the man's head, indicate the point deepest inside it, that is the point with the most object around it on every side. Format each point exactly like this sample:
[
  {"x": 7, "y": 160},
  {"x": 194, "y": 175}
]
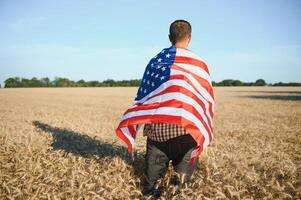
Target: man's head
[{"x": 180, "y": 33}]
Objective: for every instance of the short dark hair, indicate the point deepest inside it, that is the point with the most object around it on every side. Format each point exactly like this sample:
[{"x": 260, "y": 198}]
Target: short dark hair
[{"x": 179, "y": 30}]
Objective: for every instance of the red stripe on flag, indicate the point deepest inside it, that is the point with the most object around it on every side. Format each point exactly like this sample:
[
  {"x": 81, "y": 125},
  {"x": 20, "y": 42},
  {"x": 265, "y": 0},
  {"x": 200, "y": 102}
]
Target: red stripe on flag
[
  {"x": 121, "y": 135},
  {"x": 182, "y": 77},
  {"x": 174, "y": 104},
  {"x": 188, "y": 125},
  {"x": 182, "y": 90},
  {"x": 201, "y": 81},
  {"x": 192, "y": 61},
  {"x": 132, "y": 131}
]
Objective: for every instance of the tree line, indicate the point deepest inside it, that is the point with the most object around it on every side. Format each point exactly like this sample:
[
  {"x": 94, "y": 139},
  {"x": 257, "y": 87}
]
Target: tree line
[
  {"x": 258, "y": 82},
  {"x": 17, "y": 82}
]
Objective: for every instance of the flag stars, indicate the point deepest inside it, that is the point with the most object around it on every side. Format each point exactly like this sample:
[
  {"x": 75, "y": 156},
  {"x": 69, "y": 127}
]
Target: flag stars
[{"x": 157, "y": 72}]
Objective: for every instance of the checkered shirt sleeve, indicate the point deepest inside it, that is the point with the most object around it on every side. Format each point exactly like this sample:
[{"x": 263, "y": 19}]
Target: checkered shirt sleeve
[{"x": 161, "y": 132}]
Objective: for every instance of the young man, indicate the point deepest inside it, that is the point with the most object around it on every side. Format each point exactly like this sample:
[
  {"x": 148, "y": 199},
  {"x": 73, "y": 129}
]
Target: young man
[
  {"x": 166, "y": 141},
  {"x": 175, "y": 102}
]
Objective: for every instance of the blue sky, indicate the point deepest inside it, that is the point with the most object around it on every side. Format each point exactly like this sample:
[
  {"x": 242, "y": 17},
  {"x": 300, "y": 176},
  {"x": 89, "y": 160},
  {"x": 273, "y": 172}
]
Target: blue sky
[{"x": 97, "y": 40}]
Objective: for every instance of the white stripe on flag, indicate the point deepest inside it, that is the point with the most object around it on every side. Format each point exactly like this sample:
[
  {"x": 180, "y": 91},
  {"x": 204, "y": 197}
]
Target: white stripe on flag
[
  {"x": 181, "y": 83},
  {"x": 201, "y": 89},
  {"x": 180, "y": 97},
  {"x": 176, "y": 82},
  {"x": 127, "y": 134},
  {"x": 173, "y": 112},
  {"x": 196, "y": 70},
  {"x": 187, "y": 53}
]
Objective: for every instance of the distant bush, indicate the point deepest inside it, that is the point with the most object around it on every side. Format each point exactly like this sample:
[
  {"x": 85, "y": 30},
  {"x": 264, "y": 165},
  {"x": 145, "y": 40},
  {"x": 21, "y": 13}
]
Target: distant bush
[
  {"x": 287, "y": 84},
  {"x": 230, "y": 82}
]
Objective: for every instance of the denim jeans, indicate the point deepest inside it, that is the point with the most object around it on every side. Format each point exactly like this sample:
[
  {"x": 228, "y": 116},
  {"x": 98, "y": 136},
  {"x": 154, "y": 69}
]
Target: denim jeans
[{"x": 158, "y": 155}]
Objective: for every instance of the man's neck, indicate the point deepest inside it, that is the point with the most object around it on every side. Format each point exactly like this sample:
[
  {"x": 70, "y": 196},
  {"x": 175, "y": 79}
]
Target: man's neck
[{"x": 181, "y": 45}]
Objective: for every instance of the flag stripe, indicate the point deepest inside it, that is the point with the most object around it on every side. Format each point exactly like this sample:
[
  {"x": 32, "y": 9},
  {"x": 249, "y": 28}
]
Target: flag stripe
[
  {"x": 190, "y": 127},
  {"x": 194, "y": 70},
  {"x": 122, "y": 136},
  {"x": 177, "y": 100},
  {"x": 175, "y": 112},
  {"x": 170, "y": 83},
  {"x": 206, "y": 83},
  {"x": 189, "y": 79},
  {"x": 187, "y": 53},
  {"x": 182, "y": 83},
  {"x": 132, "y": 131},
  {"x": 183, "y": 78},
  {"x": 194, "y": 82},
  {"x": 183, "y": 98},
  {"x": 189, "y": 108},
  {"x": 187, "y": 93},
  {"x": 127, "y": 134},
  {"x": 192, "y": 61}
]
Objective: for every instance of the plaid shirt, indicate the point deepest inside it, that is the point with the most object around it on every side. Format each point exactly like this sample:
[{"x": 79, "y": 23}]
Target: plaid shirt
[{"x": 162, "y": 132}]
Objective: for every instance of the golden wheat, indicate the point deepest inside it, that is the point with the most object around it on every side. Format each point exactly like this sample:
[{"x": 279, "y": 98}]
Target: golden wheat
[{"x": 60, "y": 144}]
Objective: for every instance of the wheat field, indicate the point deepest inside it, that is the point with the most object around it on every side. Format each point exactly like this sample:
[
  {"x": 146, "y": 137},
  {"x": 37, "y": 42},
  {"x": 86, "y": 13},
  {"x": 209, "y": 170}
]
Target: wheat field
[{"x": 59, "y": 143}]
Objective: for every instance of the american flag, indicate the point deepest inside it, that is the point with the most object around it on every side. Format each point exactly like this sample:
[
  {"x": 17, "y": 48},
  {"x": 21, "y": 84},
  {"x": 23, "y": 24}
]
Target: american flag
[{"x": 175, "y": 88}]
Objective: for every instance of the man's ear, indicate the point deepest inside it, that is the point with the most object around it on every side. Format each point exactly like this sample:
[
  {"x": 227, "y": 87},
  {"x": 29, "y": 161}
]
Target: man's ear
[{"x": 189, "y": 39}]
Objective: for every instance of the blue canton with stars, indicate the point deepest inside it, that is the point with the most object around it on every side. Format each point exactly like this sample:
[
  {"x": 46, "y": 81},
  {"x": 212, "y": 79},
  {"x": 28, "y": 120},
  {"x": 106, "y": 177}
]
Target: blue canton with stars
[{"x": 157, "y": 72}]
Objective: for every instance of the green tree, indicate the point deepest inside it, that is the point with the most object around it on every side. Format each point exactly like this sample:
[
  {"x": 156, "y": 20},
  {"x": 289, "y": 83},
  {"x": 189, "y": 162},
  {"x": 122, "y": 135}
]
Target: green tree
[
  {"x": 63, "y": 82},
  {"x": 81, "y": 83},
  {"x": 109, "y": 83},
  {"x": 227, "y": 82},
  {"x": 92, "y": 83},
  {"x": 287, "y": 84},
  {"x": 34, "y": 82},
  {"x": 12, "y": 82},
  {"x": 214, "y": 83},
  {"x": 25, "y": 82},
  {"x": 45, "y": 82},
  {"x": 260, "y": 82},
  {"x": 237, "y": 83}
]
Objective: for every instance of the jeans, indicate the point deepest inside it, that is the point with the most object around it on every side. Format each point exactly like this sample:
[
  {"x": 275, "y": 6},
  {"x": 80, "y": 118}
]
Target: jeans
[{"x": 158, "y": 155}]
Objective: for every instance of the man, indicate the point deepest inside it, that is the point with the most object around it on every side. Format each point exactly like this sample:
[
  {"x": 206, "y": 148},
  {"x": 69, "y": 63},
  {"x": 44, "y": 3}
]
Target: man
[
  {"x": 175, "y": 102},
  {"x": 167, "y": 142}
]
